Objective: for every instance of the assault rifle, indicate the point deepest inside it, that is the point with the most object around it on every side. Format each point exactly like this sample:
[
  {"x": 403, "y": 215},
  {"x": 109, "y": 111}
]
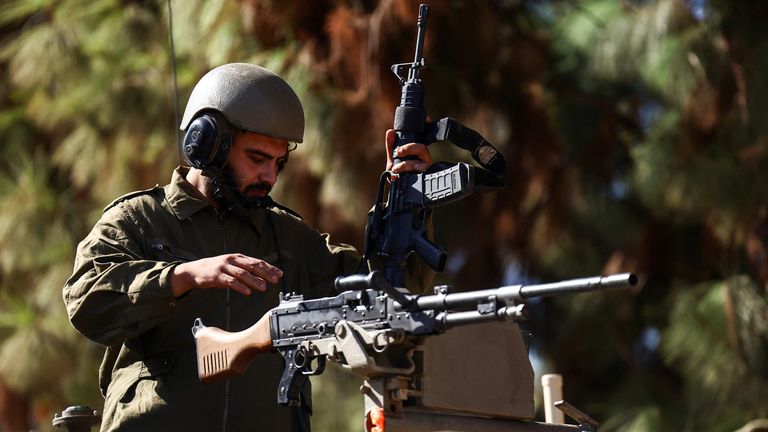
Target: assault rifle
[
  {"x": 369, "y": 328},
  {"x": 398, "y": 227}
]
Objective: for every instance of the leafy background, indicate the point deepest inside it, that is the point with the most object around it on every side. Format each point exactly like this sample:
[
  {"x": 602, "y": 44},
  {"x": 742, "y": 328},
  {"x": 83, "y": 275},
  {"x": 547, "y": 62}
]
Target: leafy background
[{"x": 635, "y": 132}]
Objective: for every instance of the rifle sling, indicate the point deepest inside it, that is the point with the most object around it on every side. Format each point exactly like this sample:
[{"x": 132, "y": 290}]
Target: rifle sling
[{"x": 492, "y": 161}]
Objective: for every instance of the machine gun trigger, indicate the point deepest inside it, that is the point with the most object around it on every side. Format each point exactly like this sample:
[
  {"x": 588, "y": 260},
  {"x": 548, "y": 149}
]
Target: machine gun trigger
[
  {"x": 293, "y": 378},
  {"x": 304, "y": 357}
]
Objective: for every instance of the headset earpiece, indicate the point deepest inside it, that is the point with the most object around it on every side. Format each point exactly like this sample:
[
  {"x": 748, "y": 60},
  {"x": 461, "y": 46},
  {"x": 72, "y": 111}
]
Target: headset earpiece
[{"x": 207, "y": 141}]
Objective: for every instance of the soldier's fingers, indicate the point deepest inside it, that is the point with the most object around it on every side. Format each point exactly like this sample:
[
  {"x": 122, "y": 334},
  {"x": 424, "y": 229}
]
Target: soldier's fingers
[
  {"x": 242, "y": 289},
  {"x": 230, "y": 282},
  {"x": 246, "y": 278},
  {"x": 415, "y": 149},
  {"x": 265, "y": 270},
  {"x": 410, "y": 166},
  {"x": 257, "y": 267},
  {"x": 389, "y": 142}
]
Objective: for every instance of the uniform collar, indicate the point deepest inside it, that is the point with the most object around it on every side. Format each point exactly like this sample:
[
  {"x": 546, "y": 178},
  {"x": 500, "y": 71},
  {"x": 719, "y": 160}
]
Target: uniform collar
[{"x": 185, "y": 200}]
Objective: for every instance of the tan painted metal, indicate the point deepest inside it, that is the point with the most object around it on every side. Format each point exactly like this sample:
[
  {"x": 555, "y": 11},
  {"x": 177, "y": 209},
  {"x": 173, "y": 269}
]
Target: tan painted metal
[{"x": 479, "y": 369}]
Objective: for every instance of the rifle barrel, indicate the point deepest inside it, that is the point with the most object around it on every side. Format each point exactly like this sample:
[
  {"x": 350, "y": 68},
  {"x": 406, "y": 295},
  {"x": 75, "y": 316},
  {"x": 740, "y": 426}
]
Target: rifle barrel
[{"x": 422, "y": 28}]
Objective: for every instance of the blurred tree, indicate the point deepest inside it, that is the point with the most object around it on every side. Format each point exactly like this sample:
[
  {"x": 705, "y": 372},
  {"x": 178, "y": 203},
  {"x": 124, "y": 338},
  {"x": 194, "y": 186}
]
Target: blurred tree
[{"x": 633, "y": 131}]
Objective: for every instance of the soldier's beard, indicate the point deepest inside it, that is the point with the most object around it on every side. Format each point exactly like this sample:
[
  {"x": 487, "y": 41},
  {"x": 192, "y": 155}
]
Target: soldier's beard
[{"x": 226, "y": 191}]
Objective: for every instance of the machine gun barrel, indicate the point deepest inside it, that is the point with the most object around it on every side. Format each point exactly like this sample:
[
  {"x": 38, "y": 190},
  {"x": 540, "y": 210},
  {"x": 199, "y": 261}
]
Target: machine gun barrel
[
  {"x": 573, "y": 286},
  {"x": 520, "y": 293}
]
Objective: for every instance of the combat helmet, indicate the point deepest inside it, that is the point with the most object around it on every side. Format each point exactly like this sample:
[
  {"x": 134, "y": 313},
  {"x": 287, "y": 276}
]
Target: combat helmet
[{"x": 238, "y": 96}]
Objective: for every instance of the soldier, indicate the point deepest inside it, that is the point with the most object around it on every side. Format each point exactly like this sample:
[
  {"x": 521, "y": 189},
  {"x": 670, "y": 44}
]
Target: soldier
[{"x": 211, "y": 244}]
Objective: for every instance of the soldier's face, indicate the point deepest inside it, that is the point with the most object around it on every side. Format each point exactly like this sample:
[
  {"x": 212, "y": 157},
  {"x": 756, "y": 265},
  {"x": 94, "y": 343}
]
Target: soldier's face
[{"x": 254, "y": 163}]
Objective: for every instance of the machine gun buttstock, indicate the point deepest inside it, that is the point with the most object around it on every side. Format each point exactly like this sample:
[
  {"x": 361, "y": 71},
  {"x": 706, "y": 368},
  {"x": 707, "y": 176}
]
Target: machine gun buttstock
[{"x": 221, "y": 354}]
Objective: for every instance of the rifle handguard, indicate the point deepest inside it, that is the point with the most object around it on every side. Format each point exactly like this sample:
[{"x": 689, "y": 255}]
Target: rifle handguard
[{"x": 221, "y": 354}]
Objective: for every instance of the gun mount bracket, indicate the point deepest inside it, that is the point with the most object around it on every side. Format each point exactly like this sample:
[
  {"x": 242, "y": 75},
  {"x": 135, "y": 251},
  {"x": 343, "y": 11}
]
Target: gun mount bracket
[
  {"x": 490, "y": 306},
  {"x": 586, "y": 422}
]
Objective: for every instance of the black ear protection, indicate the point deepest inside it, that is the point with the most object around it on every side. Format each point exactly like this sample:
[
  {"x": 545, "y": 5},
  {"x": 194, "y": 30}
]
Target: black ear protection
[{"x": 207, "y": 141}]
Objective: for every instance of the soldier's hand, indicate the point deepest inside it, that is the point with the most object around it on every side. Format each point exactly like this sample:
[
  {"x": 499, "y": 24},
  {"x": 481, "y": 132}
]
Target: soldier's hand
[
  {"x": 421, "y": 164},
  {"x": 231, "y": 271}
]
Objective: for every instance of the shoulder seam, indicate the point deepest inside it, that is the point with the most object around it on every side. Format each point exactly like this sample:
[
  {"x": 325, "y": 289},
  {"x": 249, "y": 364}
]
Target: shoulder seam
[{"x": 130, "y": 195}]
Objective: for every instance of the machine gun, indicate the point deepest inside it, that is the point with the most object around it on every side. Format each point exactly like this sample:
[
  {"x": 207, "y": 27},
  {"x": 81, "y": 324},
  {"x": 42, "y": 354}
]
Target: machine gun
[
  {"x": 369, "y": 328},
  {"x": 398, "y": 227},
  {"x": 376, "y": 328}
]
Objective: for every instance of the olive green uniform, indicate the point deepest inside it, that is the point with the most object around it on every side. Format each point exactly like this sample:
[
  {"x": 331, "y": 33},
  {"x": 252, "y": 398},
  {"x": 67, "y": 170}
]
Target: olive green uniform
[{"x": 119, "y": 295}]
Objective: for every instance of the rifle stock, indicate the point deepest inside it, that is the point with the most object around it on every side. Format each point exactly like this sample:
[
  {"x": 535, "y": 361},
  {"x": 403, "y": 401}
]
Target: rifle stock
[{"x": 221, "y": 354}]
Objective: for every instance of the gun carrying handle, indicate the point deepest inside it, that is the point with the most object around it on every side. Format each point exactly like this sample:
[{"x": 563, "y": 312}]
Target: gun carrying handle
[{"x": 221, "y": 354}]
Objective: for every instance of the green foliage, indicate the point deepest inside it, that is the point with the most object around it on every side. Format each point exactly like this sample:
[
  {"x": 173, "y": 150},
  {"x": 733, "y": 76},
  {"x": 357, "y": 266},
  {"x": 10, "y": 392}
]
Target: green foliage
[
  {"x": 338, "y": 403},
  {"x": 650, "y": 45},
  {"x": 633, "y": 131},
  {"x": 726, "y": 373},
  {"x": 635, "y": 419}
]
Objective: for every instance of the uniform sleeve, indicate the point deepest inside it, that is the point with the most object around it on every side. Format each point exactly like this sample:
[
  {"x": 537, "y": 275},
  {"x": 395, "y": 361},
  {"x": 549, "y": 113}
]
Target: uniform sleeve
[
  {"x": 114, "y": 292},
  {"x": 328, "y": 260},
  {"x": 325, "y": 261}
]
